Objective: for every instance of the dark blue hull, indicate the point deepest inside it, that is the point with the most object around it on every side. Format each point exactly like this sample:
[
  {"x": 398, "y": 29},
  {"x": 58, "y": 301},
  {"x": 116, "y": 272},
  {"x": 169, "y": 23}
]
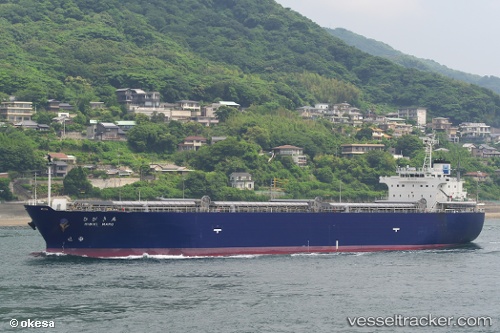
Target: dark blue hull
[{"x": 115, "y": 233}]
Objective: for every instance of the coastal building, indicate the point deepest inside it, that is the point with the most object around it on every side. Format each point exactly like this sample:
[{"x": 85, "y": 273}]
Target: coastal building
[
  {"x": 125, "y": 125},
  {"x": 241, "y": 180},
  {"x": 353, "y": 149},
  {"x": 69, "y": 159},
  {"x": 216, "y": 139},
  {"x": 478, "y": 176},
  {"x": 193, "y": 106},
  {"x": 109, "y": 131},
  {"x": 419, "y": 115},
  {"x": 475, "y": 130},
  {"x": 168, "y": 168},
  {"x": 59, "y": 169},
  {"x": 138, "y": 97},
  {"x": 296, "y": 153},
  {"x": 397, "y": 126},
  {"x": 16, "y": 111},
  {"x": 192, "y": 143},
  {"x": 484, "y": 151}
]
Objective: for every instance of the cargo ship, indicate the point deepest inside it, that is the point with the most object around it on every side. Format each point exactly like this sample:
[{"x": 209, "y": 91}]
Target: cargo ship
[{"x": 426, "y": 208}]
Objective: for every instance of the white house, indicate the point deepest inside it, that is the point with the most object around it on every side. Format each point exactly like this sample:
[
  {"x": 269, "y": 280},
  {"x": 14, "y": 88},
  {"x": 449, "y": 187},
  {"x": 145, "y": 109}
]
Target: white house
[{"x": 241, "y": 180}]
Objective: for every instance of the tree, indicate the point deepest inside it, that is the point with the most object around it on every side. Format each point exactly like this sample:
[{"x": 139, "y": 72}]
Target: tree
[
  {"x": 18, "y": 153},
  {"x": 366, "y": 133},
  {"x": 409, "y": 145},
  {"x": 225, "y": 154},
  {"x": 196, "y": 184},
  {"x": 80, "y": 91},
  {"x": 223, "y": 113},
  {"x": 151, "y": 137},
  {"x": 5, "y": 193},
  {"x": 381, "y": 161},
  {"x": 43, "y": 117},
  {"x": 76, "y": 183},
  {"x": 258, "y": 135},
  {"x": 158, "y": 117},
  {"x": 324, "y": 175}
]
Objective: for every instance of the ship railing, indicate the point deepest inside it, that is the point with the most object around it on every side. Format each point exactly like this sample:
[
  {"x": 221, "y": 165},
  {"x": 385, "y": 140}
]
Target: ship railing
[
  {"x": 134, "y": 206},
  {"x": 269, "y": 207},
  {"x": 459, "y": 206},
  {"x": 375, "y": 207},
  {"x": 419, "y": 172},
  {"x": 144, "y": 209},
  {"x": 259, "y": 207},
  {"x": 256, "y": 209}
]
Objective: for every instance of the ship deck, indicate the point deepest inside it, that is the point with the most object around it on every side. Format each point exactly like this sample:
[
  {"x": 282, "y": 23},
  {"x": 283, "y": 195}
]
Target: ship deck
[{"x": 279, "y": 206}]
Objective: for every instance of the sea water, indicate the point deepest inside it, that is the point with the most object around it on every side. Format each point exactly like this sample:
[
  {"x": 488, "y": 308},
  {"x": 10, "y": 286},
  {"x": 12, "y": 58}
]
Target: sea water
[{"x": 400, "y": 291}]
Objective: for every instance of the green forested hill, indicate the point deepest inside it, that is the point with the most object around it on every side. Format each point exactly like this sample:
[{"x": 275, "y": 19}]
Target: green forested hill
[
  {"x": 252, "y": 52},
  {"x": 380, "y": 49}
]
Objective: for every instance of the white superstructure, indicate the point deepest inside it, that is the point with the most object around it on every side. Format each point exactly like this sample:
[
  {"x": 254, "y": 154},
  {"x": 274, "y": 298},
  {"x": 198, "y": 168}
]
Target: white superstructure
[{"x": 432, "y": 185}]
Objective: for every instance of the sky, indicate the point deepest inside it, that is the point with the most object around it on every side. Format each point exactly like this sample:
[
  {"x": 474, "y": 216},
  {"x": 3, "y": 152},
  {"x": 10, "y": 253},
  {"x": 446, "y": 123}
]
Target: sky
[{"x": 460, "y": 34}]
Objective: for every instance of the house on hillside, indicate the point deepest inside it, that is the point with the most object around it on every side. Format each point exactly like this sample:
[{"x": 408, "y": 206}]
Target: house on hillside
[
  {"x": 59, "y": 169},
  {"x": 193, "y": 106},
  {"x": 474, "y": 130},
  {"x": 206, "y": 121},
  {"x": 138, "y": 97},
  {"x": 192, "y": 143},
  {"x": 485, "y": 151},
  {"x": 241, "y": 180},
  {"x": 30, "y": 124},
  {"x": 168, "y": 168},
  {"x": 379, "y": 134},
  {"x": 119, "y": 172},
  {"x": 296, "y": 153},
  {"x": 96, "y": 105},
  {"x": 216, "y": 139},
  {"x": 469, "y": 146},
  {"x": 419, "y": 115},
  {"x": 441, "y": 124},
  {"x": 478, "y": 176},
  {"x": 229, "y": 103},
  {"x": 16, "y": 111},
  {"x": 353, "y": 149},
  {"x": 109, "y": 131},
  {"x": 69, "y": 159},
  {"x": 209, "y": 111},
  {"x": 125, "y": 125}
]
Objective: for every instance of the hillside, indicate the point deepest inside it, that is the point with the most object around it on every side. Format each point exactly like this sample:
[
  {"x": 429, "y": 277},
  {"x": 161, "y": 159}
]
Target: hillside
[
  {"x": 383, "y": 50},
  {"x": 251, "y": 52}
]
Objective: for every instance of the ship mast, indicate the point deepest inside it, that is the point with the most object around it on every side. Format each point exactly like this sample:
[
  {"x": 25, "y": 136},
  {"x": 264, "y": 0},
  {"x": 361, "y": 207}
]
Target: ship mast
[
  {"x": 49, "y": 171},
  {"x": 429, "y": 142}
]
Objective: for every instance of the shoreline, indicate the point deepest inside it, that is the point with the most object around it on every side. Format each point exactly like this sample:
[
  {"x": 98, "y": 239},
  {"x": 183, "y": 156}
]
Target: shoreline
[
  {"x": 15, "y": 222},
  {"x": 23, "y": 221}
]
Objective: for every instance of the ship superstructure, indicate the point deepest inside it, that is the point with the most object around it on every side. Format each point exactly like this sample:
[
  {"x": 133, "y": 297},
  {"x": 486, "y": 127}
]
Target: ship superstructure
[{"x": 432, "y": 185}]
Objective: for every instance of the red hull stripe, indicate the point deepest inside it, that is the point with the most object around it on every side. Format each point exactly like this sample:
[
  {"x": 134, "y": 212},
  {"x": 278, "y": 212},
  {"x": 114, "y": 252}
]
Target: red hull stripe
[{"x": 234, "y": 251}]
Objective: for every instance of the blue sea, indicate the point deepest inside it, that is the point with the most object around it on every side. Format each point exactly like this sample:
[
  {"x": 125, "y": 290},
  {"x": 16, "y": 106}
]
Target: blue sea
[{"x": 424, "y": 291}]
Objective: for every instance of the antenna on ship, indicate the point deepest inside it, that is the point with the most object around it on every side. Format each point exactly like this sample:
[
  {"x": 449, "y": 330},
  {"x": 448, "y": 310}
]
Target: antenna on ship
[
  {"x": 49, "y": 171},
  {"x": 429, "y": 142}
]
